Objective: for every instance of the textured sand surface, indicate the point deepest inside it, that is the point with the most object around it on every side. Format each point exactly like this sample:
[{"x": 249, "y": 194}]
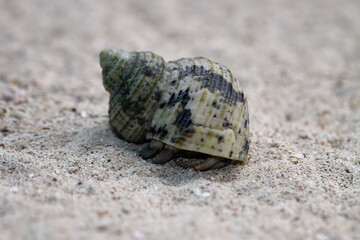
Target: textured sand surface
[{"x": 64, "y": 175}]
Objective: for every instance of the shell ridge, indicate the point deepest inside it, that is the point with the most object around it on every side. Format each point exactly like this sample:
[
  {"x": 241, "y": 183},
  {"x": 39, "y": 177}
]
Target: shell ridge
[
  {"x": 120, "y": 102},
  {"x": 137, "y": 88},
  {"x": 212, "y": 79},
  {"x": 120, "y": 88},
  {"x": 154, "y": 84}
]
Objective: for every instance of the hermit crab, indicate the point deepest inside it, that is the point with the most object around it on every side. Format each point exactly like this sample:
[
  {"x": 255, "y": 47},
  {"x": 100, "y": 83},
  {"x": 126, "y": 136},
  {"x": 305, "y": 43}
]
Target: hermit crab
[{"x": 190, "y": 107}]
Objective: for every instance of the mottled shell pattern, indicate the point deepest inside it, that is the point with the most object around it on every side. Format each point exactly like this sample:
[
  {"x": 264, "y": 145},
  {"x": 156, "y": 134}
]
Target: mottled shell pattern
[{"x": 191, "y": 104}]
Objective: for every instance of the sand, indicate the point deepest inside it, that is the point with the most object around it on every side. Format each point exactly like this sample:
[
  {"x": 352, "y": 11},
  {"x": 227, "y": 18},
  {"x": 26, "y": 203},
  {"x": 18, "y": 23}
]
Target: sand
[{"x": 64, "y": 175}]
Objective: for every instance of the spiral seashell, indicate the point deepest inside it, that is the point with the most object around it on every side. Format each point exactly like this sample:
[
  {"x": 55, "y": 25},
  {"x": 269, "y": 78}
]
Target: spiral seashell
[{"x": 190, "y": 107}]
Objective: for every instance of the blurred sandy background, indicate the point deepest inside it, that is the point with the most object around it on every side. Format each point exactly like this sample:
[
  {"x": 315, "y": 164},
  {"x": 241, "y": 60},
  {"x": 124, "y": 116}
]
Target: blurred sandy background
[{"x": 64, "y": 175}]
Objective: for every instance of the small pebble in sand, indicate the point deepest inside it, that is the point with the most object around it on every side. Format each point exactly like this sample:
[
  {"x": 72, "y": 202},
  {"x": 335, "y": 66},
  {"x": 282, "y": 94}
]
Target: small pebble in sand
[
  {"x": 296, "y": 157},
  {"x": 3, "y": 112},
  {"x": 14, "y": 189},
  {"x": 8, "y": 97},
  {"x": 274, "y": 145},
  {"x": 294, "y": 160},
  {"x": 83, "y": 114},
  {"x": 72, "y": 170},
  {"x": 138, "y": 235},
  {"x": 5, "y": 131}
]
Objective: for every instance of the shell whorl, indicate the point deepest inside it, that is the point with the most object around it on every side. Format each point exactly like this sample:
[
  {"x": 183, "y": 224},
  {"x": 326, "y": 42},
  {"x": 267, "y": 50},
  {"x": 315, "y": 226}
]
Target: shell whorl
[
  {"x": 191, "y": 104},
  {"x": 133, "y": 80},
  {"x": 203, "y": 110}
]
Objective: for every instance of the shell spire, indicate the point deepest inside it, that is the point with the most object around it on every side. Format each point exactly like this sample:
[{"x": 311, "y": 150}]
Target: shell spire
[{"x": 132, "y": 79}]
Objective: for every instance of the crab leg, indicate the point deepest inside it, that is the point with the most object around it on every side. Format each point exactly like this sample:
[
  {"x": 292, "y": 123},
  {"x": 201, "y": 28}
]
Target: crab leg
[
  {"x": 212, "y": 163},
  {"x": 151, "y": 149},
  {"x": 163, "y": 157}
]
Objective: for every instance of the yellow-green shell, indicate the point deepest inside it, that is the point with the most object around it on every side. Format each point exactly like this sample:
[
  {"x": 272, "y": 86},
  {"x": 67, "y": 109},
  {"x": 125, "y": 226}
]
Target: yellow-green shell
[{"x": 192, "y": 104}]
